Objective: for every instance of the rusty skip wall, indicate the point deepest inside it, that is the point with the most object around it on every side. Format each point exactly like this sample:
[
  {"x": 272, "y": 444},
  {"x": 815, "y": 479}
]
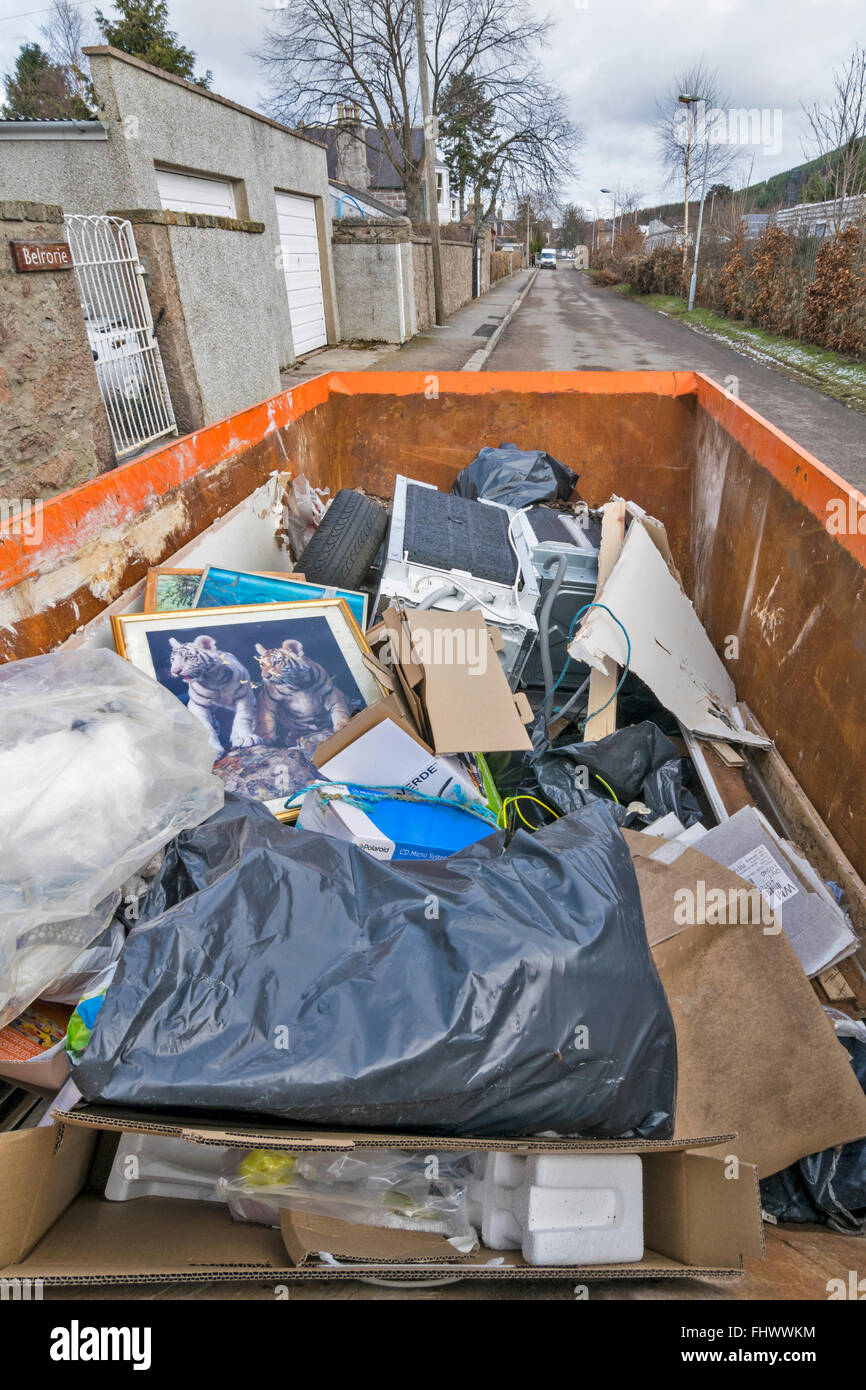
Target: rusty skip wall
[
  {"x": 746, "y": 511},
  {"x": 53, "y": 427}
]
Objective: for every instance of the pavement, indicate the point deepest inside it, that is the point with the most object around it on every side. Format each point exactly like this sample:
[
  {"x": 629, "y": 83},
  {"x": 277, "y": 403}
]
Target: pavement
[
  {"x": 445, "y": 348},
  {"x": 562, "y": 321},
  {"x": 567, "y": 323}
]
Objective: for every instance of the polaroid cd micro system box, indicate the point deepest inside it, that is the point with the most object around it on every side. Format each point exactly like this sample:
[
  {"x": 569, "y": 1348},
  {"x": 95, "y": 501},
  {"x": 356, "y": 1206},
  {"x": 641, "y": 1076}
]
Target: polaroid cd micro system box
[
  {"x": 56, "y": 1224},
  {"x": 394, "y": 829}
]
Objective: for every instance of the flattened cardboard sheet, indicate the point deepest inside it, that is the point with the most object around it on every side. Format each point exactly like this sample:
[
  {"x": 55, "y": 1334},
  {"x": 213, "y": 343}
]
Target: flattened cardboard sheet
[{"x": 757, "y": 1054}]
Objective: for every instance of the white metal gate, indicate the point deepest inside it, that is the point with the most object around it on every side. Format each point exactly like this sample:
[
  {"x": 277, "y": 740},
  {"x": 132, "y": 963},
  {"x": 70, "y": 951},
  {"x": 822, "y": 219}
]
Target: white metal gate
[{"x": 120, "y": 331}]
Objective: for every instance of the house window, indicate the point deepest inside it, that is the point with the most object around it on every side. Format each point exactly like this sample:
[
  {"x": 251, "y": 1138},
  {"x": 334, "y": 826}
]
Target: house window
[{"x": 440, "y": 186}]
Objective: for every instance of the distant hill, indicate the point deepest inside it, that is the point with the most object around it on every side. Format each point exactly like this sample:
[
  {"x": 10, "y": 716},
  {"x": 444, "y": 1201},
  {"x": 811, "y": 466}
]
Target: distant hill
[
  {"x": 810, "y": 182},
  {"x": 805, "y": 183},
  {"x": 668, "y": 212}
]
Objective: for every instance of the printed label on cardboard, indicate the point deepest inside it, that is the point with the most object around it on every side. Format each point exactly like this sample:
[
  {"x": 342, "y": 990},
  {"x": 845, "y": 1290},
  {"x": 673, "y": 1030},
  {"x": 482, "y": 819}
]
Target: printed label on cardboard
[{"x": 761, "y": 869}]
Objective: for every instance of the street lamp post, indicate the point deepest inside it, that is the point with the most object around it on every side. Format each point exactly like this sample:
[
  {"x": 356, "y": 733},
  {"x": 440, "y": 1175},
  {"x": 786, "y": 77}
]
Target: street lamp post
[
  {"x": 430, "y": 163},
  {"x": 694, "y": 284},
  {"x": 611, "y": 194},
  {"x": 688, "y": 101}
]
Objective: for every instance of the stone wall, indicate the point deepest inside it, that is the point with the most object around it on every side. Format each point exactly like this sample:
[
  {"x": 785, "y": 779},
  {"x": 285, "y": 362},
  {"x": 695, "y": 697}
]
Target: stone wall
[
  {"x": 53, "y": 427},
  {"x": 503, "y": 263},
  {"x": 456, "y": 278}
]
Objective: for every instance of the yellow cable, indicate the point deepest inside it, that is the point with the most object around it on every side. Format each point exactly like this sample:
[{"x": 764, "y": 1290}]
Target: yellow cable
[
  {"x": 605, "y": 784},
  {"x": 524, "y": 796}
]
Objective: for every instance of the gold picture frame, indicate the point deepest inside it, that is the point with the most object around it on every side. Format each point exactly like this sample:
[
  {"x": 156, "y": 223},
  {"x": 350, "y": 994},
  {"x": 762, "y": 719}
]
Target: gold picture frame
[{"x": 268, "y": 681}]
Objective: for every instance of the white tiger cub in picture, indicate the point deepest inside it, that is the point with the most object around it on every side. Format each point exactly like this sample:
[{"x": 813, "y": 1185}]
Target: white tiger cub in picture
[{"x": 216, "y": 680}]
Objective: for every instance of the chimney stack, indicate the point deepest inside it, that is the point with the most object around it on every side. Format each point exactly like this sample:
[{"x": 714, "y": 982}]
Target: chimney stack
[{"x": 350, "y": 146}]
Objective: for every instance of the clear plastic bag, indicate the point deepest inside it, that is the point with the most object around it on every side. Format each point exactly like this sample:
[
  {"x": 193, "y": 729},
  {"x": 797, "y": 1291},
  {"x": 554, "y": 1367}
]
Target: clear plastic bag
[
  {"x": 100, "y": 767},
  {"x": 303, "y": 509},
  {"x": 403, "y": 1191}
]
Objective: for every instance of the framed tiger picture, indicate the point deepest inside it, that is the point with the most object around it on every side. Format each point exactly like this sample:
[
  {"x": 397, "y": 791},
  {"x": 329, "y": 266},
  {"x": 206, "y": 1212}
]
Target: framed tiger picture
[{"x": 268, "y": 682}]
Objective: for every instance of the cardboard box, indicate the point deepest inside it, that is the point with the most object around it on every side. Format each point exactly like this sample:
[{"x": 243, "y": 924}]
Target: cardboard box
[
  {"x": 394, "y": 829},
  {"x": 451, "y": 680},
  {"x": 33, "y": 1047},
  {"x": 391, "y": 706},
  {"x": 53, "y": 1228},
  {"x": 386, "y": 753}
]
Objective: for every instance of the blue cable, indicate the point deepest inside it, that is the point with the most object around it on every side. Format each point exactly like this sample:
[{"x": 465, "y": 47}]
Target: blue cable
[
  {"x": 371, "y": 795},
  {"x": 579, "y": 614}
]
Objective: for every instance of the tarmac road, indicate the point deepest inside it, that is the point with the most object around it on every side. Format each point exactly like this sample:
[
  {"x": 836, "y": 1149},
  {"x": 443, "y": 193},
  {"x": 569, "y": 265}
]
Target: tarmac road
[{"x": 566, "y": 323}]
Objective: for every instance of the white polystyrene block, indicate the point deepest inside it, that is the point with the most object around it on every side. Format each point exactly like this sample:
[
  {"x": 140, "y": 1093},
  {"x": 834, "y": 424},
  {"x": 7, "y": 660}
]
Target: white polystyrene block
[
  {"x": 503, "y": 1175},
  {"x": 563, "y": 1209},
  {"x": 155, "y": 1165}
]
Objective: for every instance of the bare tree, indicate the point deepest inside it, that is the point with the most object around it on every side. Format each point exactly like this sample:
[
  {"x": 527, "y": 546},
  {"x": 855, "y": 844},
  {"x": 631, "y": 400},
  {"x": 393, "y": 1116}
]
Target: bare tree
[
  {"x": 65, "y": 33},
  {"x": 319, "y": 52},
  {"x": 684, "y": 135},
  {"x": 535, "y": 148},
  {"x": 628, "y": 201},
  {"x": 837, "y": 133}
]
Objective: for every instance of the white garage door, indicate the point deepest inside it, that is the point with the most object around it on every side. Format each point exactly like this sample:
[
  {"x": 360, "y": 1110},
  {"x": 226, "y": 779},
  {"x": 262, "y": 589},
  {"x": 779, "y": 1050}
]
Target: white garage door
[
  {"x": 299, "y": 245},
  {"x": 190, "y": 193}
]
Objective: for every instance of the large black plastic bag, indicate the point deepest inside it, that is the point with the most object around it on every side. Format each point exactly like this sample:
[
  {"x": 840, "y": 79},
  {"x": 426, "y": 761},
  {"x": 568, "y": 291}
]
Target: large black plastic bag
[
  {"x": 515, "y": 477},
  {"x": 639, "y": 762},
  {"x": 829, "y": 1186},
  {"x": 292, "y": 975}
]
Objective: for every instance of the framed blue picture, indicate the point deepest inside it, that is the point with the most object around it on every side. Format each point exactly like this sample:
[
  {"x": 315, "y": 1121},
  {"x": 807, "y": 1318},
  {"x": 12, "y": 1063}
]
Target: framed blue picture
[
  {"x": 221, "y": 588},
  {"x": 268, "y": 683}
]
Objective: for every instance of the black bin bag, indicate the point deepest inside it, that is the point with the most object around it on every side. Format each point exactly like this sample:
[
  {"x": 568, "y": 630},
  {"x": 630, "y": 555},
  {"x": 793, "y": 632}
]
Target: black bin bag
[
  {"x": 515, "y": 477},
  {"x": 829, "y": 1186},
  {"x": 503, "y": 990}
]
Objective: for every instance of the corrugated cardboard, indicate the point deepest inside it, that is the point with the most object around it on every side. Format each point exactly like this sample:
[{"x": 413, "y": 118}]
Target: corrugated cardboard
[
  {"x": 40, "y": 1172},
  {"x": 757, "y": 1054},
  {"x": 457, "y": 705},
  {"x": 697, "y": 1222},
  {"x": 235, "y": 1132},
  {"x": 391, "y": 707},
  {"x": 305, "y": 1233}
]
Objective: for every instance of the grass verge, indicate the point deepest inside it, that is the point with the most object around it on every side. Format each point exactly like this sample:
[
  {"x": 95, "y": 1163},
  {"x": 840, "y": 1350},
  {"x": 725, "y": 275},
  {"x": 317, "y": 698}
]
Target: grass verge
[{"x": 841, "y": 377}]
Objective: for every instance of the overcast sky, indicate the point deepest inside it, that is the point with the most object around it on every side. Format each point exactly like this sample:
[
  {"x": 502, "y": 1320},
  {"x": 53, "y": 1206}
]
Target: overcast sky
[{"x": 613, "y": 58}]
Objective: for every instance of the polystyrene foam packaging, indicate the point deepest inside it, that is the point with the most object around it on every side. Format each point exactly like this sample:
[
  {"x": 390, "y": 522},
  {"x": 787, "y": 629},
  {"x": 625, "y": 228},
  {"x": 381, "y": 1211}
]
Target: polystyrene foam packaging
[
  {"x": 560, "y": 1209},
  {"x": 155, "y": 1165}
]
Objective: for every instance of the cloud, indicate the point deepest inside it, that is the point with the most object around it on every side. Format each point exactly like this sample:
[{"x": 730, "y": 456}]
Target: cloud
[{"x": 614, "y": 59}]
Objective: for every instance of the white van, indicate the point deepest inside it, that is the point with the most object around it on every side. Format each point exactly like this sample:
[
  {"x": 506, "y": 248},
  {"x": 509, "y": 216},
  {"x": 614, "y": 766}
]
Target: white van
[{"x": 547, "y": 260}]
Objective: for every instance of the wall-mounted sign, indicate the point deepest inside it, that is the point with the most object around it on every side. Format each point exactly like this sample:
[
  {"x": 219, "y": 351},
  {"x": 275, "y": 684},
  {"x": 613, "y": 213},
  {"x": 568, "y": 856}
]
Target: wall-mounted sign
[{"x": 41, "y": 255}]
